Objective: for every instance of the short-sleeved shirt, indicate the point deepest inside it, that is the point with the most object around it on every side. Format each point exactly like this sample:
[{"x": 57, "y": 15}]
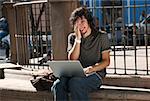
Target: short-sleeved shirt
[{"x": 92, "y": 48}]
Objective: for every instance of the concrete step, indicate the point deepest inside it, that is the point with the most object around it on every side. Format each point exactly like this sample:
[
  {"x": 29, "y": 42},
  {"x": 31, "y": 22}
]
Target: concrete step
[
  {"x": 16, "y": 84},
  {"x": 114, "y": 93},
  {"x": 18, "y": 74},
  {"x": 4, "y": 66},
  {"x": 22, "y": 90},
  {"x": 113, "y": 80},
  {"x": 139, "y": 81}
]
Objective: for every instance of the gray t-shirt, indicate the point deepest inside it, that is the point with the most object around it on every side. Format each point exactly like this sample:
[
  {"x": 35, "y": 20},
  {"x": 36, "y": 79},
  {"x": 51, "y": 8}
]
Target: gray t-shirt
[{"x": 92, "y": 48}]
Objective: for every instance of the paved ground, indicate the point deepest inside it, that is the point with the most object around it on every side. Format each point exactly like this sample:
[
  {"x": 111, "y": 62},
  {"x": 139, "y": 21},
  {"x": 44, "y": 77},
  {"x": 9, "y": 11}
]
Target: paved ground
[
  {"x": 129, "y": 61},
  {"x": 16, "y": 84}
]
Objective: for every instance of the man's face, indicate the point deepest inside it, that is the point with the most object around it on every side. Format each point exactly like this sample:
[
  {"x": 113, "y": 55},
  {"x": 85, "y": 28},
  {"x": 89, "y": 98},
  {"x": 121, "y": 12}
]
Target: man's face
[{"x": 83, "y": 25}]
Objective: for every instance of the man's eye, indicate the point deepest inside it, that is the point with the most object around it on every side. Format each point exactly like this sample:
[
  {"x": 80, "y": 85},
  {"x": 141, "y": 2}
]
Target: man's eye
[{"x": 82, "y": 21}]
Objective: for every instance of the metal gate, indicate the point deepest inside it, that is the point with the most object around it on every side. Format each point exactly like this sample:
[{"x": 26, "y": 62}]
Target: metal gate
[{"x": 128, "y": 36}]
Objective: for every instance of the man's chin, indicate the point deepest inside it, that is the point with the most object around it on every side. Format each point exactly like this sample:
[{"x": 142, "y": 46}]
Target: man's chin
[{"x": 83, "y": 33}]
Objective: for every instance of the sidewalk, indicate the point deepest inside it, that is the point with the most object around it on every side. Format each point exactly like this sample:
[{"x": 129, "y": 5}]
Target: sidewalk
[
  {"x": 129, "y": 61},
  {"x": 16, "y": 84}
]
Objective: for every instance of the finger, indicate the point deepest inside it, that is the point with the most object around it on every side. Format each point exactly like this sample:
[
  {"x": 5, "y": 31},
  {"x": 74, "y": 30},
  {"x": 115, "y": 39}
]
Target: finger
[
  {"x": 79, "y": 23},
  {"x": 75, "y": 27},
  {"x": 86, "y": 70}
]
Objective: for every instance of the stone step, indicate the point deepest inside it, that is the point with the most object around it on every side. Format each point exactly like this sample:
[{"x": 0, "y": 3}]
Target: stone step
[
  {"x": 139, "y": 81},
  {"x": 4, "y": 66},
  {"x": 22, "y": 90},
  {"x": 9, "y": 66},
  {"x": 18, "y": 74}
]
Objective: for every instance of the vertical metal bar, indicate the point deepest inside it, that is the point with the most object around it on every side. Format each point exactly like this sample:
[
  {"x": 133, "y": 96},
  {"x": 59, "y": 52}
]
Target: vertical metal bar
[
  {"x": 90, "y": 5},
  {"x": 20, "y": 43},
  {"x": 124, "y": 39},
  {"x": 146, "y": 37},
  {"x": 16, "y": 35},
  {"x": 33, "y": 33},
  {"x": 129, "y": 34},
  {"x": 134, "y": 37},
  {"x": 104, "y": 16},
  {"x": 30, "y": 30},
  {"x": 40, "y": 38},
  {"x": 128, "y": 4},
  {"x": 50, "y": 23},
  {"x": 41, "y": 33},
  {"x": 36, "y": 33},
  {"x": 94, "y": 7},
  {"x": 27, "y": 33},
  {"x": 32, "y": 26},
  {"x": 24, "y": 34},
  {"x": 24, "y": 31},
  {"x": 113, "y": 38},
  {"x": 114, "y": 20},
  {"x": 28, "y": 36},
  {"x": 21, "y": 32},
  {"x": 127, "y": 29},
  {"x": 84, "y": 2},
  {"x": 47, "y": 26}
]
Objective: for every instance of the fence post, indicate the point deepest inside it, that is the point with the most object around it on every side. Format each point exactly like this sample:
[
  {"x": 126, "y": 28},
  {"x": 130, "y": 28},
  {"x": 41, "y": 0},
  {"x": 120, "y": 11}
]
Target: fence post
[
  {"x": 60, "y": 26},
  {"x": 9, "y": 12},
  {"x": 22, "y": 35}
]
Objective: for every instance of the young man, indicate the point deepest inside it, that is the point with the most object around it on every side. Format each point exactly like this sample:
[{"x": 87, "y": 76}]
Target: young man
[{"x": 91, "y": 48}]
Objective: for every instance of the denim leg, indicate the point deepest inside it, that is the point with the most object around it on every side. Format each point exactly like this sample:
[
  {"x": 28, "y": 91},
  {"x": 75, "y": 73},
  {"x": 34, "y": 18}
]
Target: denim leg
[
  {"x": 59, "y": 89},
  {"x": 80, "y": 87}
]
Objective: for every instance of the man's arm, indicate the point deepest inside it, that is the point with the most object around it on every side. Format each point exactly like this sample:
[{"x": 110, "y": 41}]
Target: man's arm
[
  {"x": 75, "y": 51},
  {"x": 100, "y": 66}
]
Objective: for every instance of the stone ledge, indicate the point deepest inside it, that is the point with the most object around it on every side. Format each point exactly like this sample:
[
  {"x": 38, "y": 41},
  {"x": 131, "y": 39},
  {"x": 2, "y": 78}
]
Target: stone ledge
[
  {"x": 112, "y": 80},
  {"x": 9, "y": 66},
  {"x": 107, "y": 94},
  {"x": 138, "y": 81},
  {"x": 14, "y": 95},
  {"x": 104, "y": 94},
  {"x": 22, "y": 90},
  {"x": 16, "y": 85}
]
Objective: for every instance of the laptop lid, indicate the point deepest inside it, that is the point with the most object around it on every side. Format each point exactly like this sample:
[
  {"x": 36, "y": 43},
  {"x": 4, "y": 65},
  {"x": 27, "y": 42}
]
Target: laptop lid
[{"x": 66, "y": 68}]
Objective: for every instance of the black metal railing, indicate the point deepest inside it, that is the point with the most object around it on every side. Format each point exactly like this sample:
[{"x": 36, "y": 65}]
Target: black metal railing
[
  {"x": 129, "y": 42},
  {"x": 129, "y": 39}
]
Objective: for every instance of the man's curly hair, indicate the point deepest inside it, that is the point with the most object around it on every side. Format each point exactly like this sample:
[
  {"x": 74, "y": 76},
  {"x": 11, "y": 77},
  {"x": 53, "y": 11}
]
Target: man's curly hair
[{"x": 79, "y": 13}]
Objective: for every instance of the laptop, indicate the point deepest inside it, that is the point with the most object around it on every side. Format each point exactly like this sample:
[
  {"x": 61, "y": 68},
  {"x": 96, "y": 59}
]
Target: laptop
[{"x": 66, "y": 68}]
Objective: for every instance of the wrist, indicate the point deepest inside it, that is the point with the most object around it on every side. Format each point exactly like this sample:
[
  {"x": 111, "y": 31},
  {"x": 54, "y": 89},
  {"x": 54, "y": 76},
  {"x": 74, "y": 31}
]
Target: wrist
[
  {"x": 78, "y": 40},
  {"x": 93, "y": 69}
]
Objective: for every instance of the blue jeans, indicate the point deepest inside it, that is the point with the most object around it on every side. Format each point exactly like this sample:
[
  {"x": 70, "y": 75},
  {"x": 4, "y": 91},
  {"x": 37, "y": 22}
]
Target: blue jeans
[{"x": 77, "y": 87}]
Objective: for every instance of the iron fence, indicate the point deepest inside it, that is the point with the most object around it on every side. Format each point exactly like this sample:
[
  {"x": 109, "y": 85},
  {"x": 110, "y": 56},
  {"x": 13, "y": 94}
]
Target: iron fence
[
  {"x": 129, "y": 37},
  {"x": 129, "y": 42},
  {"x": 33, "y": 38}
]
